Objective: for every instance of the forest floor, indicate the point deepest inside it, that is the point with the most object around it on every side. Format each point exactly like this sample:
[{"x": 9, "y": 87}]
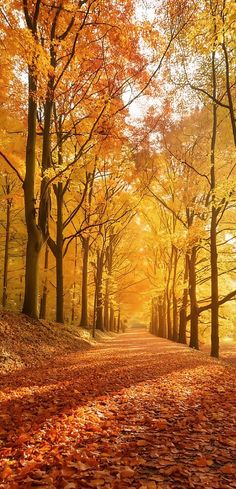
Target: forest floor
[
  {"x": 25, "y": 342},
  {"x": 133, "y": 412}
]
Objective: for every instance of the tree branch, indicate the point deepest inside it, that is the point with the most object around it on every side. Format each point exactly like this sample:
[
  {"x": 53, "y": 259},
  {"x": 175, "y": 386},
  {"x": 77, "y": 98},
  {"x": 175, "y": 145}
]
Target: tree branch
[{"x": 12, "y": 166}]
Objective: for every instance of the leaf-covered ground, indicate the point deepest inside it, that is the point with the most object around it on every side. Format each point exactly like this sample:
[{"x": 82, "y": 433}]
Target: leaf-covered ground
[
  {"x": 135, "y": 412},
  {"x": 27, "y": 342}
]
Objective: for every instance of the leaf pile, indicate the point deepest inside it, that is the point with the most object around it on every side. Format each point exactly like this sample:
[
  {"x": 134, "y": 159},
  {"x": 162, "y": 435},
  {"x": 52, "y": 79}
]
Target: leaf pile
[
  {"x": 29, "y": 342},
  {"x": 137, "y": 412}
]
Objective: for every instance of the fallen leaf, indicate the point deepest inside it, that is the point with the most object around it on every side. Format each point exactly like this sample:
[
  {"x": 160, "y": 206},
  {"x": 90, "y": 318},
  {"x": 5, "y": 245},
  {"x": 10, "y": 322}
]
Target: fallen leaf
[
  {"x": 127, "y": 472},
  {"x": 228, "y": 469}
]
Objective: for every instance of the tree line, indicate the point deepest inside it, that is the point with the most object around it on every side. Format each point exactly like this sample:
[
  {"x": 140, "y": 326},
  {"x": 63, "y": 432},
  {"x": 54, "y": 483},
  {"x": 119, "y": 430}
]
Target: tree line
[{"x": 81, "y": 175}]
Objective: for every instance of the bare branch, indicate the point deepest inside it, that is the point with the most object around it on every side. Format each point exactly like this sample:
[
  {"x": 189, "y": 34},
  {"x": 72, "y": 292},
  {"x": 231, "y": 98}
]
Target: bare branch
[{"x": 12, "y": 166}]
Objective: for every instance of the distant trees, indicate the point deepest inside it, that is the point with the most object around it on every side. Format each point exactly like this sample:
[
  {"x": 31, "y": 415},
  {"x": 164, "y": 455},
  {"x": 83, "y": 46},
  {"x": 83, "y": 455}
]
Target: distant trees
[{"x": 181, "y": 184}]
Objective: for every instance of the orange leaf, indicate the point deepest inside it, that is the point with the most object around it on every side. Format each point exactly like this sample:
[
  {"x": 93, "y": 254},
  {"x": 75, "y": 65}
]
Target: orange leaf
[
  {"x": 201, "y": 462},
  {"x": 126, "y": 473},
  {"x": 228, "y": 469},
  {"x": 23, "y": 438},
  {"x": 142, "y": 443},
  {"x": 7, "y": 471}
]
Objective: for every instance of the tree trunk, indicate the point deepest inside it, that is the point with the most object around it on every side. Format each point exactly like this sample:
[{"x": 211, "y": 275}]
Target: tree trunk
[
  {"x": 34, "y": 241},
  {"x": 43, "y": 302},
  {"x": 174, "y": 300},
  {"x": 175, "y": 319},
  {"x": 74, "y": 284},
  {"x": 99, "y": 305},
  {"x": 6, "y": 249},
  {"x": 168, "y": 313},
  {"x": 183, "y": 309},
  {"x": 213, "y": 243},
  {"x": 214, "y": 288},
  {"x": 229, "y": 88},
  {"x": 161, "y": 319},
  {"x": 108, "y": 311},
  {"x": 112, "y": 319},
  {"x": 154, "y": 317},
  {"x": 84, "y": 292},
  {"x": 59, "y": 257},
  {"x": 168, "y": 299},
  {"x": 30, "y": 306},
  {"x": 118, "y": 322},
  {"x": 194, "y": 343},
  {"x": 106, "y": 307},
  {"x": 164, "y": 316},
  {"x": 152, "y": 324},
  {"x": 95, "y": 310}
]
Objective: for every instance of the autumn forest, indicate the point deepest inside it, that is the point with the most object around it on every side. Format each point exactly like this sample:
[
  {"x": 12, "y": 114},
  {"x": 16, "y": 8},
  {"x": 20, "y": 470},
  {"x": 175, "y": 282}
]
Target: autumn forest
[
  {"x": 118, "y": 138},
  {"x": 117, "y": 243}
]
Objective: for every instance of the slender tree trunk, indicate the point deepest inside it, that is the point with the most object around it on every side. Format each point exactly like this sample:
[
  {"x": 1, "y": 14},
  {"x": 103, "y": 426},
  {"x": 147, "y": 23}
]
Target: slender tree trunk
[
  {"x": 168, "y": 314},
  {"x": 74, "y": 284},
  {"x": 6, "y": 249},
  {"x": 214, "y": 288},
  {"x": 100, "y": 264},
  {"x": 228, "y": 88},
  {"x": 175, "y": 319},
  {"x": 157, "y": 325},
  {"x": 152, "y": 317},
  {"x": 118, "y": 322},
  {"x": 164, "y": 316},
  {"x": 214, "y": 213},
  {"x": 43, "y": 302},
  {"x": 108, "y": 297},
  {"x": 183, "y": 309},
  {"x": 59, "y": 257},
  {"x": 34, "y": 241},
  {"x": 84, "y": 292},
  {"x": 194, "y": 343},
  {"x": 106, "y": 307},
  {"x": 174, "y": 300},
  {"x": 168, "y": 299},
  {"x": 154, "y": 320},
  {"x": 95, "y": 309},
  {"x": 161, "y": 319},
  {"x": 112, "y": 318}
]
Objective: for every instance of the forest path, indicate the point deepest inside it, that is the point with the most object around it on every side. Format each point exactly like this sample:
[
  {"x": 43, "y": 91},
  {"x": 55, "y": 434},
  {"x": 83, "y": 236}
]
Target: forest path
[{"x": 135, "y": 412}]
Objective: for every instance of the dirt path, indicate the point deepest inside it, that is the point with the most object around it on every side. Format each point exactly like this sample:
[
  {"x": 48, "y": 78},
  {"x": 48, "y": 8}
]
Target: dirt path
[{"x": 137, "y": 412}]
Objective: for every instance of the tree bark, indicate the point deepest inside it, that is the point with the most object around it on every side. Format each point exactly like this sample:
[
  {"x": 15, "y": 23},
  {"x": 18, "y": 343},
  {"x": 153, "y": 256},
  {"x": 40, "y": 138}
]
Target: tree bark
[
  {"x": 194, "y": 313},
  {"x": 74, "y": 284},
  {"x": 228, "y": 89},
  {"x": 183, "y": 309},
  {"x": 84, "y": 292},
  {"x": 59, "y": 257},
  {"x": 106, "y": 307},
  {"x": 43, "y": 302},
  {"x": 6, "y": 248},
  {"x": 168, "y": 299},
  {"x": 99, "y": 302},
  {"x": 213, "y": 232},
  {"x": 118, "y": 322},
  {"x": 174, "y": 300},
  {"x": 35, "y": 240},
  {"x": 161, "y": 318},
  {"x": 112, "y": 319},
  {"x": 168, "y": 315}
]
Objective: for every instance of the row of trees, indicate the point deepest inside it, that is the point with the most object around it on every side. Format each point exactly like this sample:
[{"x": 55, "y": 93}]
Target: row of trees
[
  {"x": 201, "y": 152},
  {"x": 87, "y": 187}
]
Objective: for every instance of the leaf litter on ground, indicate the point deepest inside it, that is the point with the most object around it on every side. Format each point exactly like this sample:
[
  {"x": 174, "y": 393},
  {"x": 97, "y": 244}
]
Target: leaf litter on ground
[{"x": 135, "y": 412}]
